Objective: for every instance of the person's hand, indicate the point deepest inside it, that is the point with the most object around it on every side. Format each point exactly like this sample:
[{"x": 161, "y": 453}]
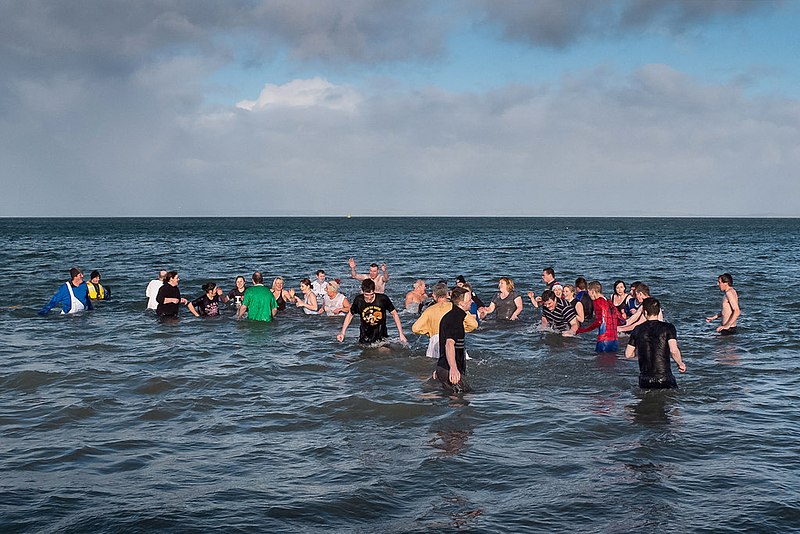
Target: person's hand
[
  {"x": 403, "y": 338},
  {"x": 568, "y": 333},
  {"x": 531, "y": 295},
  {"x": 682, "y": 367},
  {"x": 183, "y": 300},
  {"x": 340, "y": 337},
  {"x": 383, "y": 267},
  {"x": 455, "y": 376},
  {"x": 352, "y": 263},
  {"x": 711, "y": 318},
  {"x": 514, "y": 317},
  {"x": 720, "y": 328}
]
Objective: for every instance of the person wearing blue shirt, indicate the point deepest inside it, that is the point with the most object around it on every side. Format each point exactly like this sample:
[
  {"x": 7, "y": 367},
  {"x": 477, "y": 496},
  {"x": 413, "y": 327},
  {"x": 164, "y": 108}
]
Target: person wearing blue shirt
[{"x": 72, "y": 296}]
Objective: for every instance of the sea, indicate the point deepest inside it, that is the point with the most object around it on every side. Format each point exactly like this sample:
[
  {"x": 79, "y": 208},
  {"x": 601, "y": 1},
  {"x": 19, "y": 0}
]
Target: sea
[{"x": 114, "y": 422}]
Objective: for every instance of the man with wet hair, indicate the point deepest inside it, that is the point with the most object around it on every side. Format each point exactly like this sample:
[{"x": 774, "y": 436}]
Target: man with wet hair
[
  {"x": 654, "y": 342},
  {"x": 730, "y": 306},
  {"x": 379, "y": 279},
  {"x": 371, "y": 307}
]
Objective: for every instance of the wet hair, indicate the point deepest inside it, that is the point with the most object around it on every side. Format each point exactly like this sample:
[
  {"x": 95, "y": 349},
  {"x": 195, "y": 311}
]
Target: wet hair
[
  {"x": 618, "y": 282},
  {"x": 371, "y": 265},
  {"x": 95, "y": 274},
  {"x": 634, "y": 285},
  {"x": 580, "y": 283},
  {"x": 439, "y": 291},
  {"x": 237, "y": 278},
  {"x": 457, "y": 294},
  {"x": 367, "y": 285},
  {"x": 726, "y": 278},
  {"x": 643, "y": 289},
  {"x": 169, "y": 276},
  {"x": 277, "y": 278},
  {"x": 509, "y": 282},
  {"x": 570, "y": 287},
  {"x": 74, "y": 272},
  {"x": 548, "y": 294},
  {"x": 549, "y": 270},
  {"x": 460, "y": 278},
  {"x": 333, "y": 284},
  {"x": 306, "y": 282},
  {"x": 419, "y": 283},
  {"x": 651, "y": 306},
  {"x": 209, "y": 286},
  {"x": 319, "y": 272},
  {"x": 594, "y": 285},
  {"x": 162, "y": 274},
  {"x": 258, "y": 278}
]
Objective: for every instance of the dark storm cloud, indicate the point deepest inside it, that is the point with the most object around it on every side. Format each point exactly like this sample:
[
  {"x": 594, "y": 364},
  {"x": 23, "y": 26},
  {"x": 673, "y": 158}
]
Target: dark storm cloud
[{"x": 559, "y": 23}]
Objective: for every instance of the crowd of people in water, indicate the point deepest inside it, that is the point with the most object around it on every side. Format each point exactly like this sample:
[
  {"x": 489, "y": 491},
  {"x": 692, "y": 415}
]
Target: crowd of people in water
[{"x": 445, "y": 314}]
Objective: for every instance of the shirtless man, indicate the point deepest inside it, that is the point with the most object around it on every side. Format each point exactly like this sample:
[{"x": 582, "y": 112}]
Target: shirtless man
[
  {"x": 730, "y": 306},
  {"x": 416, "y": 297},
  {"x": 380, "y": 279}
]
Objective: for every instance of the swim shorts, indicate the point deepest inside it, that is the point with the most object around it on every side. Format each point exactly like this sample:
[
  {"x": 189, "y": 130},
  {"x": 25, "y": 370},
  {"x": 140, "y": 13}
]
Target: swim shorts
[
  {"x": 607, "y": 346},
  {"x": 728, "y": 331}
]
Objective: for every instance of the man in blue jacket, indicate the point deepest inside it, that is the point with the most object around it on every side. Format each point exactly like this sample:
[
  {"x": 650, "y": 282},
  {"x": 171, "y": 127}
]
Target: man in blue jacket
[{"x": 72, "y": 296}]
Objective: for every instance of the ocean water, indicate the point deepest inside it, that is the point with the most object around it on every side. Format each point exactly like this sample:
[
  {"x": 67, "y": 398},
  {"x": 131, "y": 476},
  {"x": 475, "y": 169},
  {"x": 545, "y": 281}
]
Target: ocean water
[{"x": 113, "y": 422}]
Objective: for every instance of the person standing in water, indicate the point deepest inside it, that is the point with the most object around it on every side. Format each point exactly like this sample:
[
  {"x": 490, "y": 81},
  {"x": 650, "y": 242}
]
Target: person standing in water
[
  {"x": 606, "y": 319},
  {"x": 72, "y": 296},
  {"x": 452, "y": 364},
  {"x": 379, "y": 279},
  {"x": 730, "y": 306},
  {"x": 654, "y": 342},
  {"x": 372, "y": 307}
]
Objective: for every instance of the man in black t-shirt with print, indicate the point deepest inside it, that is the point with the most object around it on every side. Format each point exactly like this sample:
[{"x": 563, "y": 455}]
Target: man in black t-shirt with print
[
  {"x": 372, "y": 308},
  {"x": 452, "y": 364}
]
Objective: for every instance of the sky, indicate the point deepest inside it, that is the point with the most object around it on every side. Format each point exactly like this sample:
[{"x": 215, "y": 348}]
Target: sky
[{"x": 399, "y": 108}]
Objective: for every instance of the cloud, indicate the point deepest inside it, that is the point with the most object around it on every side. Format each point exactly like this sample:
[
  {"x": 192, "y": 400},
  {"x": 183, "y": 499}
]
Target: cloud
[
  {"x": 558, "y": 24},
  {"x": 304, "y": 93}
]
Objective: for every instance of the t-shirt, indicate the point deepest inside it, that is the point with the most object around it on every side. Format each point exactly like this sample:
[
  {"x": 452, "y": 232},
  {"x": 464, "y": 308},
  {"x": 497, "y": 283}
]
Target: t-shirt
[
  {"x": 452, "y": 327},
  {"x": 331, "y": 304},
  {"x": 206, "y": 306},
  {"x": 606, "y": 320},
  {"x": 260, "y": 302},
  {"x": 505, "y": 307},
  {"x": 167, "y": 291},
  {"x": 236, "y": 296},
  {"x": 319, "y": 289},
  {"x": 651, "y": 340},
  {"x": 152, "y": 292},
  {"x": 561, "y": 316},
  {"x": 373, "y": 317}
]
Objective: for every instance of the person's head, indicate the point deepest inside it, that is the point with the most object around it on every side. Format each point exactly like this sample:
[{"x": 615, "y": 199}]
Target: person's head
[
  {"x": 277, "y": 284},
  {"x": 162, "y": 275},
  {"x": 320, "y": 275},
  {"x": 373, "y": 270},
  {"x": 240, "y": 282},
  {"x": 171, "y": 278},
  {"x": 548, "y": 275},
  {"x": 725, "y": 281},
  {"x": 419, "y": 286},
  {"x": 460, "y": 280},
  {"x": 209, "y": 288},
  {"x": 506, "y": 284},
  {"x": 569, "y": 292},
  {"x": 305, "y": 285},
  {"x": 558, "y": 289},
  {"x": 332, "y": 288},
  {"x": 642, "y": 292},
  {"x": 549, "y": 299},
  {"x": 651, "y": 307},
  {"x": 76, "y": 274},
  {"x": 368, "y": 289},
  {"x": 619, "y": 287},
  {"x": 95, "y": 277},
  {"x": 580, "y": 283},
  {"x": 440, "y": 291},
  {"x": 633, "y": 287},
  {"x": 258, "y": 278},
  {"x": 461, "y": 297},
  {"x": 595, "y": 289}
]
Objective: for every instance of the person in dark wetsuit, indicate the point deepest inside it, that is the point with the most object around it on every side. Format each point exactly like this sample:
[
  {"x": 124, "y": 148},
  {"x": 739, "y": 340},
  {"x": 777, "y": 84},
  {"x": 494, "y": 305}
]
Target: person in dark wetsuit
[
  {"x": 654, "y": 342},
  {"x": 452, "y": 364}
]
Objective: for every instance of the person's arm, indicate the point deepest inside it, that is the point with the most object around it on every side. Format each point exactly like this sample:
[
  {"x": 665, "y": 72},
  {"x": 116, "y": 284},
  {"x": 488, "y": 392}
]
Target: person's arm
[
  {"x": 478, "y": 302},
  {"x": 712, "y": 318},
  {"x": 243, "y": 309},
  {"x": 352, "y": 263},
  {"x": 597, "y": 320},
  {"x": 579, "y": 311},
  {"x": 676, "y": 354},
  {"x": 385, "y": 273},
  {"x": 573, "y": 328},
  {"x": 396, "y": 317},
  {"x": 450, "y": 354},
  {"x": 192, "y": 309},
  {"x": 632, "y": 321},
  {"x": 532, "y": 296},
  {"x": 486, "y": 310},
  {"x": 347, "y": 319},
  {"x": 409, "y": 299},
  {"x": 345, "y": 306},
  {"x": 54, "y": 301},
  {"x": 515, "y": 315}
]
